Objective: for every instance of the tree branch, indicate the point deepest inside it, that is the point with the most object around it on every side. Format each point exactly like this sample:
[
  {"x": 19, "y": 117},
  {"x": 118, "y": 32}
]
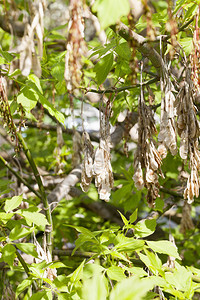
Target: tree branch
[
  {"x": 17, "y": 27},
  {"x": 141, "y": 44},
  {"x": 123, "y": 88}
]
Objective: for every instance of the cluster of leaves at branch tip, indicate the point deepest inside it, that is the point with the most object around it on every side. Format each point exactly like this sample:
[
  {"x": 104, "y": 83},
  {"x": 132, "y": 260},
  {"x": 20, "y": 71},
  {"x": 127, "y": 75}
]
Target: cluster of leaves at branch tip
[{"x": 97, "y": 163}]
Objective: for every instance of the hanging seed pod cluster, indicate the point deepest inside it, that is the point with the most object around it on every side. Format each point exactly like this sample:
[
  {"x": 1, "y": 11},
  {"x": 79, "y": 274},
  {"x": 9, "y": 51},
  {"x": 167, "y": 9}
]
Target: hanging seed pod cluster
[
  {"x": 97, "y": 163},
  {"x": 189, "y": 131},
  {"x": 29, "y": 56},
  {"x": 75, "y": 46},
  {"x": 6, "y": 115},
  {"x": 147, "y": 156}
]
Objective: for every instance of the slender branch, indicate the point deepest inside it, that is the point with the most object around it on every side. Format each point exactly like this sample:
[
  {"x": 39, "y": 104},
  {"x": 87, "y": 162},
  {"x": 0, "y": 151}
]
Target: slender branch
[
  {"x": 21, "y": 179},
  {"x": 26, "y": 268},
  {"x": 50, "y": 127},
  {"x": 123, "y": 88},
  {"x": 23, "y": 263},
  {"x": 43, "y": 197},
  {"x": 172, "y": 193}
]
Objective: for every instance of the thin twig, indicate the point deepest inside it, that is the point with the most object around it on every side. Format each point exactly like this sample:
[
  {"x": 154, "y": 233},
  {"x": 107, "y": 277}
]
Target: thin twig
[{"x": 123, "y": 88}]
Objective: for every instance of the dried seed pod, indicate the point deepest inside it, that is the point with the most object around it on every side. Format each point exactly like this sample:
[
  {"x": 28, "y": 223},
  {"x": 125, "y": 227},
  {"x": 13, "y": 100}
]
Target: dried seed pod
[
  {"x": 77, "y": 147},
  {"x": 102, "y": 170},
  {"x": 138, "y": 177},
  {"x": 167, "y": 134},
  {"x": 87, "y": 165}
]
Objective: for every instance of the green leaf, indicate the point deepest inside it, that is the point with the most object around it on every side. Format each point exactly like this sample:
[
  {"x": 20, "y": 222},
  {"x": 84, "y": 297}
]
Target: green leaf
[
  {"x": 159, "y": 204},
  {"x": 154, "y": 263},
  {"x": 131, "y": 289},
  {"x": 128, "y": 244},
  {"x": 27, "y": 98},
  {"x": 116, "y": 273},
  {"x": 110, "y": 11},
  {"x": 124, "y": 51},
  {"x": 51, "y": 109},
  {"x": 13, "y": 203},
  {"x": 119, "y": 255},
  {"x": 145, "y": 228},
  {"x": 8, "y": 254},
  {"x": 32, "y": 93},
  {"x": 90, "y": 269},
  {"x": 125, "y": 221},
  {"x": 2, "y": 61},
  {"x": 95, "y": 288},
  {"x": 164, "y": 247},
  {"x": 36, "y": 81},
  {"x": 58, "y": 71},
  {"x": 8, "y": 57},
  {"x": 187, "y": 44},
  {"x": 133, "y": 217},
  {"x": 14, "y": 73},
  {"x": 34, "y": 217},
  {"x": 103, "y": 67},
  {"x": 57, "y": 264},
  {"x": 27, "y": 248},
  {"x": 78, "y": 273},
  {"x": 61, "y": 282},
  {"x": 86, "y": 232},
  {"x": 22, "y": 286},
  {"x": 181, "y": 278},
  {"x": 44, "y": 295},
  {"x": 19, "y": 232},
  {"x": 5, "y": 217}
]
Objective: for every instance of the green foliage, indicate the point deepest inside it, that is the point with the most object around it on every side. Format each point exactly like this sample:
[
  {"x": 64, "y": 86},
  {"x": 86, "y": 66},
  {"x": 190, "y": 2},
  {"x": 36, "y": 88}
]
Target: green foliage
[{"x": 110, "y": 11}]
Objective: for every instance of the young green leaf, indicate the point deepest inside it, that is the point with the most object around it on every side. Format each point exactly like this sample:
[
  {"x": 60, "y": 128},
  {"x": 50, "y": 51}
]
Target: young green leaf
[
  {"x": 78, "y": 273},
  {"x": 133, "y": 217},
  {"x": 27, "y": 248},
  {"x": 145, "y": 228},
  {"x": 8, "y": 254},
  {"x": 19, "y": 232},
  {"x": 34, "y": 217},
  {"x": 116, "y": 273},
  {"x": 12, "y": 203},
  {"x": 164, "y": 247},
  {"x": 22, "y": 286},
  {"x": 103, "y": 67},
  {"x": 95, "y": 288},
  {"x": 131, "y": 288}
]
